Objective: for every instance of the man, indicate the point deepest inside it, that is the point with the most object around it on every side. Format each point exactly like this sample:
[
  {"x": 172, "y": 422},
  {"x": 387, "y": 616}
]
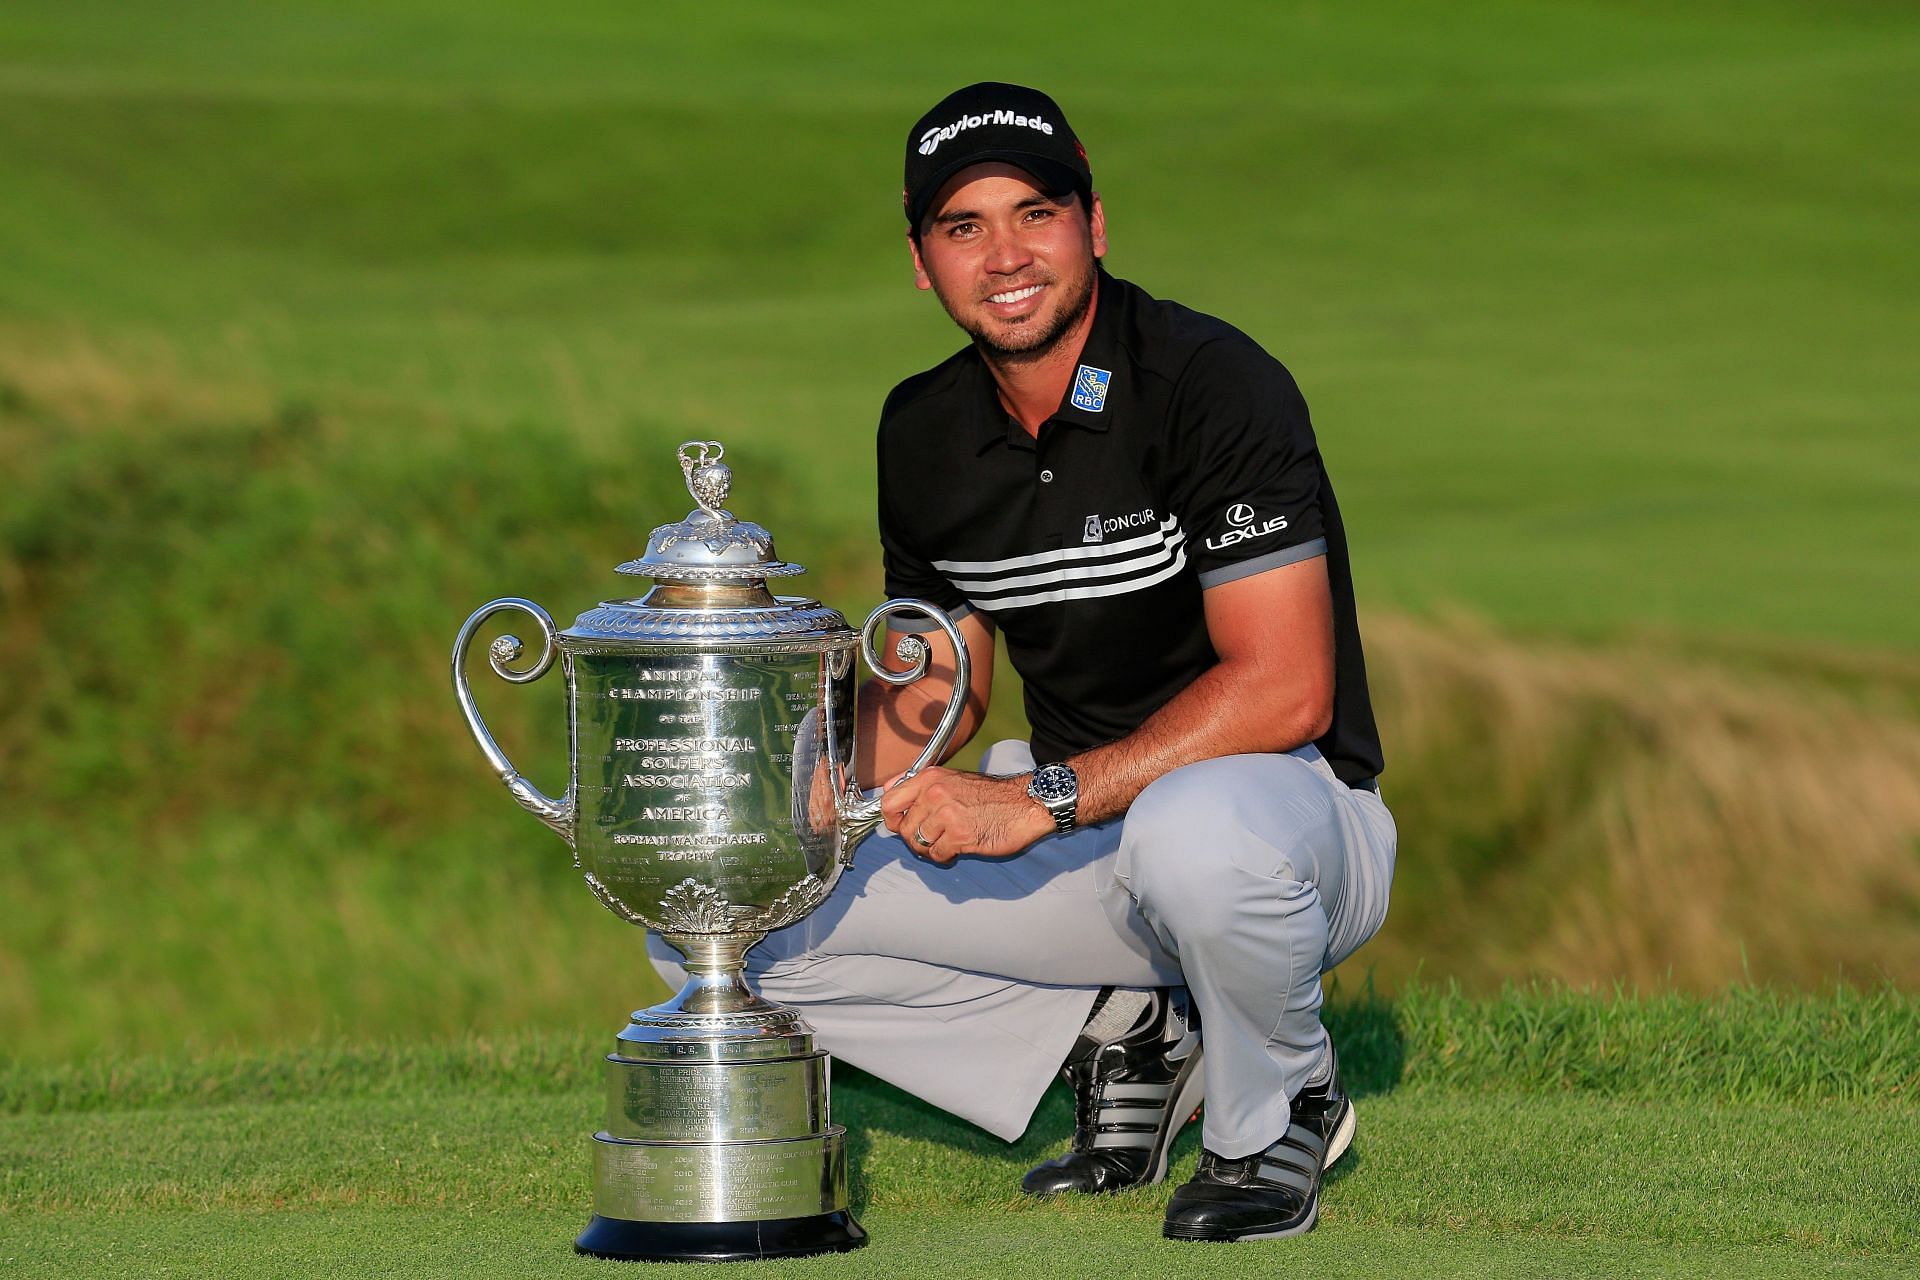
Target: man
[{"x": 1130, "y": 493}]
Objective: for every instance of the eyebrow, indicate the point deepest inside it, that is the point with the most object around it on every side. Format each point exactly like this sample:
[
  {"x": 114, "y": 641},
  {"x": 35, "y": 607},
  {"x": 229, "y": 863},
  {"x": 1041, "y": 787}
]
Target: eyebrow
[{"x": 1033, "y": 201}]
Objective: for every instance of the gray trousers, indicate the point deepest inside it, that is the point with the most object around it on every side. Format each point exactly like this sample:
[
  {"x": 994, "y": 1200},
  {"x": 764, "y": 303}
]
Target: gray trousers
[{"x": 1243, "y": 878}]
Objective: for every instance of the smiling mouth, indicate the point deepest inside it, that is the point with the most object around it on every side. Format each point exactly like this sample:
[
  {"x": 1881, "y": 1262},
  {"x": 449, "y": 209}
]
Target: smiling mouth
[{"x": 1015, "y": 295}]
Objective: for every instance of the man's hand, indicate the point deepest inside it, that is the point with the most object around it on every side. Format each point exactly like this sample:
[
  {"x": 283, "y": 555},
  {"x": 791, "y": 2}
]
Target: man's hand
[{"x": 942, "y": 813}]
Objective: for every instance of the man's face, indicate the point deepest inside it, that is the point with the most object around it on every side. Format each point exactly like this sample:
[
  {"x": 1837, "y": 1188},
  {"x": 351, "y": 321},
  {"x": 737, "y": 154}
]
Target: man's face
[{"x": 1012, "y": 265}]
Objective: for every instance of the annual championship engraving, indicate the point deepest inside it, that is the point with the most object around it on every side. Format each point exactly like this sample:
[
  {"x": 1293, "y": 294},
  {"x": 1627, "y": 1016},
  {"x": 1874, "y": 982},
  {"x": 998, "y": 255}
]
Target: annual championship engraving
[{"x": 711, "y": 800}]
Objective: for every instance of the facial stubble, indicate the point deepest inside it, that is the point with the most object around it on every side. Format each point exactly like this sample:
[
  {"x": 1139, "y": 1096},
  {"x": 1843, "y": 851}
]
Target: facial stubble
[{"x": 1036, "y": 347}]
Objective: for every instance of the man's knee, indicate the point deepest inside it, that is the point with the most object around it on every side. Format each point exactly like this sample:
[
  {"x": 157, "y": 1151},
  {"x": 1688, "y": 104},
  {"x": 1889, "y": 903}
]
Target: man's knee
[
  {"x": 1201, "y": 841},
  {"x": 1176, "y": 846}
]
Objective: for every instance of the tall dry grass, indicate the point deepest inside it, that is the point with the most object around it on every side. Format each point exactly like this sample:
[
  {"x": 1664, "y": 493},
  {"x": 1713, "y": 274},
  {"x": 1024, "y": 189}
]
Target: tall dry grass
[
  {"x": 1626, "y": 813},
  {"x": 75, "y": 379}
]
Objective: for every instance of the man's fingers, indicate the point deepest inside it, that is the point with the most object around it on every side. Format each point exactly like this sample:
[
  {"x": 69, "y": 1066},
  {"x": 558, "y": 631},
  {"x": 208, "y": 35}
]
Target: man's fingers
[
  {"x": 923, "y": 838},
  {"x": 896, "y": 802},
  {"x": 906, "y": 793},
  {"x": 939, "y": 813},
  {"x": 924, "y": 835}
]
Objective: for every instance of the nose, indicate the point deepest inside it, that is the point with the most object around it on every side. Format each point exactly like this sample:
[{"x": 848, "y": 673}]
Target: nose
[{"x": 1008, "y": 254}]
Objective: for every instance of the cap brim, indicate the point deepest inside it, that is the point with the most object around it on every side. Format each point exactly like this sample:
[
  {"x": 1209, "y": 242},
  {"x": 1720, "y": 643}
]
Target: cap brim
[{"x": 1056, "y": 179}]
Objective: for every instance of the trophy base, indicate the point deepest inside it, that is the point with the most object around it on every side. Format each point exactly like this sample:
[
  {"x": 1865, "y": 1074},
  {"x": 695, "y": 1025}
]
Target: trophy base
[{"x": 627, "y": 1241}]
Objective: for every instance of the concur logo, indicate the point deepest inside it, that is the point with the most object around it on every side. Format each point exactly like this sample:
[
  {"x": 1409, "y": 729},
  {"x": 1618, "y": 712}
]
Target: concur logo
[
  {"x": 1097, "y": 528},
  {"x": 1245, "y": 525}
]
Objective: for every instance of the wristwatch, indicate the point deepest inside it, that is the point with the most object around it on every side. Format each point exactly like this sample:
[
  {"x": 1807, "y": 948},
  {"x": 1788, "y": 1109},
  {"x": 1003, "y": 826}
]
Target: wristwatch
[{"x": 1057, "y": 787}]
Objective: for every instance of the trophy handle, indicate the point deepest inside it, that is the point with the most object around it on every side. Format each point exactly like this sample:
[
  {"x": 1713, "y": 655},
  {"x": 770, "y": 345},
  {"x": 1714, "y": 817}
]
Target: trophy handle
[
  {"x": 862, "y": 813},
  {"x": 557, "y": 814}
]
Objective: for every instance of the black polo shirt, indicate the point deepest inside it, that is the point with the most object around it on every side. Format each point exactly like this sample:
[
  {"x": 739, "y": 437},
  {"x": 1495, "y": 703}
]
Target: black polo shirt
[{"x": 1182, "y": 457}]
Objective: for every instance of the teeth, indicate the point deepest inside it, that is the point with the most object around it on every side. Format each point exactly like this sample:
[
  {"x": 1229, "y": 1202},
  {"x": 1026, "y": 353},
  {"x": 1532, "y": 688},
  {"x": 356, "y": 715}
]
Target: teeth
[{"x": 1016, "y": 295}]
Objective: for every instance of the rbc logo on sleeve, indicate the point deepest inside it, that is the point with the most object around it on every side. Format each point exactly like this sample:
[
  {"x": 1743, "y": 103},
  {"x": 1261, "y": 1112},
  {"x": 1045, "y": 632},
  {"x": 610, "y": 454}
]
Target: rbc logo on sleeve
[{"x": 1090, "y": 388}]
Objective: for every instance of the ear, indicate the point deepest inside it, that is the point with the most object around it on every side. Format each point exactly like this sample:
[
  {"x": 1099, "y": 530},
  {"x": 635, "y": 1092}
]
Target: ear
[
  {"x": 1097, "y": 227},
  {"x": 920, "y": 280}
]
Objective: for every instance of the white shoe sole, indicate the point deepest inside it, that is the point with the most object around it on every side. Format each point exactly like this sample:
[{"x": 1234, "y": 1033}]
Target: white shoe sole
[{"x": 1342, "y": 1138}]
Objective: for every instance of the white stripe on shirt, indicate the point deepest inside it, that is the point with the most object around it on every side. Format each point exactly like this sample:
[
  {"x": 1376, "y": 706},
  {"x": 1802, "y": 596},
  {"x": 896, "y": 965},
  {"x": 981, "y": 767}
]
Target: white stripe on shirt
[
  {"x": 1134, "y": 566},
  {"x": 1085, "y": 592},
  {"x": 1063, "y": 555}
]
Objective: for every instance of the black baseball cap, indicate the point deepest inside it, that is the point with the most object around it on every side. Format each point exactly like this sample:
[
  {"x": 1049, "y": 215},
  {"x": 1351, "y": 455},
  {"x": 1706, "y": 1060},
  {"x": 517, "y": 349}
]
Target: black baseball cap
[{"x": 993, "y": 121}]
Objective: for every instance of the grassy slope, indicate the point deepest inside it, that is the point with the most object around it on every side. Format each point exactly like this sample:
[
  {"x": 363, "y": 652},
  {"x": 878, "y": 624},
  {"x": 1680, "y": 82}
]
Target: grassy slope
[
  {"x": 1537, "y": 1134},
  {"x": 320, "y": 325},
  {"x": 289, "y": 834},
  {"x": 1603, "y": 308}
]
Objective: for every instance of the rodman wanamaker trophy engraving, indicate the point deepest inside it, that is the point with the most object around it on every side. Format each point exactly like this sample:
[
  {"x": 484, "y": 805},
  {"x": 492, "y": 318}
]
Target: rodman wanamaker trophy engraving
[{"x": 711, "y": 799}]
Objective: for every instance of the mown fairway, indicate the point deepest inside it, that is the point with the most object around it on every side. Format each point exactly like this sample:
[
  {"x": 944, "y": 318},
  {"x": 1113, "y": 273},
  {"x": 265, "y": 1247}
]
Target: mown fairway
[
  {"x": 321, "y": 324},
  {"x": 1446, "y": 1184},
  {"x": 1536, "y": 1135}
]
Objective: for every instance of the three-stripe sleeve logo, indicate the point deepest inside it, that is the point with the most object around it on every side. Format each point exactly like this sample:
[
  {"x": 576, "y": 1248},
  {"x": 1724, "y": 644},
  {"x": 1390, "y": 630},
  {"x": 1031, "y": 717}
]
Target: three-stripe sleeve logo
[{"x": 1071, "y": 573}]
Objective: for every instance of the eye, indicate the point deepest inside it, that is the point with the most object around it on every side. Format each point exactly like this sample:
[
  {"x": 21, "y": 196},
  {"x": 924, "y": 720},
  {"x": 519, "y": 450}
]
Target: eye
[
  {"x": 1039, "y": 214},
  {"x": 961, "y": 230}
]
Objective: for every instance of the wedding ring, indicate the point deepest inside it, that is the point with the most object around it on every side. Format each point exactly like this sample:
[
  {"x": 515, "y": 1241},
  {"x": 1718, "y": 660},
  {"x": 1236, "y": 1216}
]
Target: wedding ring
[{"x": 920, "y": 838}]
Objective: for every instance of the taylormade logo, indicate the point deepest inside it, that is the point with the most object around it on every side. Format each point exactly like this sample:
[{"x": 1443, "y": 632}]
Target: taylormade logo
[{"x": 930, "y": 140}]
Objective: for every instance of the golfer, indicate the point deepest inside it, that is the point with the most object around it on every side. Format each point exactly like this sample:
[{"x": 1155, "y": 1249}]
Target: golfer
[{"x": 1128, "y": 494}]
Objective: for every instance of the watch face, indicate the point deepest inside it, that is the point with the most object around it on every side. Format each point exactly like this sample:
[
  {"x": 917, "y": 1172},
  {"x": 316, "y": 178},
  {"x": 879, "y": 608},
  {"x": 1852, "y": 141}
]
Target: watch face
[{"x": 1054, "y": 782}]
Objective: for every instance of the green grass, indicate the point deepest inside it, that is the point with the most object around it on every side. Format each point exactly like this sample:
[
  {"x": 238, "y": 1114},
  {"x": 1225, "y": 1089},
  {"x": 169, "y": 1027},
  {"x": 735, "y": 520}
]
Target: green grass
[
  {"x": 321, "y": 324},
  {"x": 1611, "y": 1153},
  {"x": 1741, "y": 1045},
  {"x": 521, "y": 1242},
  {"x": 1603, "y": 308}
]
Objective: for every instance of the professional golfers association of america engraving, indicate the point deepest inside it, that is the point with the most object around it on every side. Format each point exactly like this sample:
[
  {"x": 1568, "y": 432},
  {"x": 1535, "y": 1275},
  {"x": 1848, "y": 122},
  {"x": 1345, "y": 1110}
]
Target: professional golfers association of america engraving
[{"x": 711, "y": 798}]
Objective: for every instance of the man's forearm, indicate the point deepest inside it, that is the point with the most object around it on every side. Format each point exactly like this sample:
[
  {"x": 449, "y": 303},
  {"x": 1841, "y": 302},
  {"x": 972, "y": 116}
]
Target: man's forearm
[
  {"x": 1270, "y": 690},
  {"x": 894, "y": 723},
  {"x": 1230, "y": 709}
]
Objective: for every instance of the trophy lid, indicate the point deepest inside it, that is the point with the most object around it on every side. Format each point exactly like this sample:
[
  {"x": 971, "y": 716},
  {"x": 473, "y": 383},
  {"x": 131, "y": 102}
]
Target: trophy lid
[
  {"x": 710, "y": 545},
  {"x": 710, "y": 572}
]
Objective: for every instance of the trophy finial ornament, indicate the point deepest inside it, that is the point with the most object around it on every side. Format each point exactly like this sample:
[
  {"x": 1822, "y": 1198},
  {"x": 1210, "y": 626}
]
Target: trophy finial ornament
[
  {"x": 711, "y": 547},
  {"x": 708, "y": 479}
]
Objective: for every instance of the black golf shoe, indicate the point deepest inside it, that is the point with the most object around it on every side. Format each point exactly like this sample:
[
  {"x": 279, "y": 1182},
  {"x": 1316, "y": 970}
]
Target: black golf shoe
[
  {"x": 1133, "y": 1093},
  {"x": 1270, "y": 1193}
]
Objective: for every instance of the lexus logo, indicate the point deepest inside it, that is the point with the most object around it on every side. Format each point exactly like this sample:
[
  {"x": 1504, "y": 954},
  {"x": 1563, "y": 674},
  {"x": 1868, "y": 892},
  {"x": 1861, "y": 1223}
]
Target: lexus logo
[{"x": 1240, "y": 516}]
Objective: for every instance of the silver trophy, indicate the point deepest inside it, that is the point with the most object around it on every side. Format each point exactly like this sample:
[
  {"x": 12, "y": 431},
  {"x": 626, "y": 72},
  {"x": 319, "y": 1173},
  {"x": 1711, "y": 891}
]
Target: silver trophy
[{"x": 712, "y": 799}]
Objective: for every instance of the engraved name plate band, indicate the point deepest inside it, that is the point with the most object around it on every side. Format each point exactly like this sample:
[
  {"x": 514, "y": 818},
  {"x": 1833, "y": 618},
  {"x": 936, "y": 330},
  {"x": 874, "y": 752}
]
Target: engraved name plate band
[{"x": 711, "y": 798}]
